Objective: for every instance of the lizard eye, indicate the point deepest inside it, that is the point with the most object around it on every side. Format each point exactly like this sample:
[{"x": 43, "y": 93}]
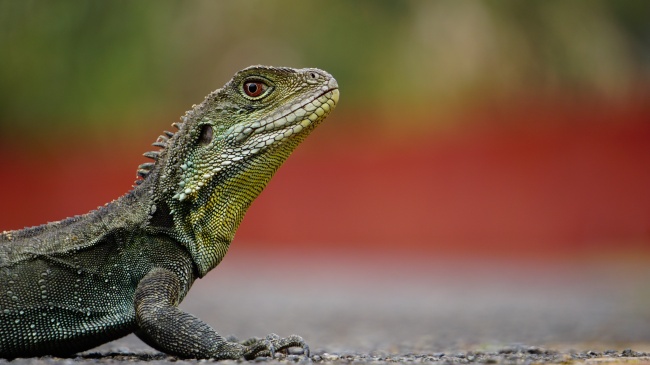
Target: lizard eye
[
  {"x": 206, "y": 135},
  {"x": 254, "y": 88}
]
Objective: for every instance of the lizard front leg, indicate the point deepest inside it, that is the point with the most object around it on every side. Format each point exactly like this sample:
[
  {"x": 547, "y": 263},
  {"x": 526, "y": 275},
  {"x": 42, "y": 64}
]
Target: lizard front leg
[{"x": 165, "y": 327}]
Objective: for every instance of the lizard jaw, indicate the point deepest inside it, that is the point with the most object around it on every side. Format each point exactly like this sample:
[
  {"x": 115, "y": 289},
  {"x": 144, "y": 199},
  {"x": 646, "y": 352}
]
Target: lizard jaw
[
  {"x": 283, "y": 125},
  {"x": 271, "y": 131}
]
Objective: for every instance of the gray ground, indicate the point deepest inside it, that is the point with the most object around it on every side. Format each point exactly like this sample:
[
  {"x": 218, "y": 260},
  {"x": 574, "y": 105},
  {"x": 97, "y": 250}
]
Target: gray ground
[{"x": 376, "y": 310}]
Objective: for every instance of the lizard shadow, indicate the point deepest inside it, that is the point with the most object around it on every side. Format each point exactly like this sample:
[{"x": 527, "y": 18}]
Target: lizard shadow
[{"x": 124, "y": 356}]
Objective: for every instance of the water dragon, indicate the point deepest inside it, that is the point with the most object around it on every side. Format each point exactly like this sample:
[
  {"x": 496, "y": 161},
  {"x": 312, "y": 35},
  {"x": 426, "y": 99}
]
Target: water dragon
[{"x": 71, "y": 285}]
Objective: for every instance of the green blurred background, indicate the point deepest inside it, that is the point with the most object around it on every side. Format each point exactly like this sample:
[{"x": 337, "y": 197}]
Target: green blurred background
[
  {"x": 464, "y": 127},
  {"x": 71, "y": 62}
]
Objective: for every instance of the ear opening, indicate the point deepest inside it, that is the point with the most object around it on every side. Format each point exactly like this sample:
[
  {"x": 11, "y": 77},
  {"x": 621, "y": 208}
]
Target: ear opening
[{"x": 206, "y": 135}]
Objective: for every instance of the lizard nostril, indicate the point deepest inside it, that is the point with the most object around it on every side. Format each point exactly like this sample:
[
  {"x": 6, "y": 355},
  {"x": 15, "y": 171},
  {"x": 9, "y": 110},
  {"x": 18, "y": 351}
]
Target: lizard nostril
[{"x": 332, "y": 84}]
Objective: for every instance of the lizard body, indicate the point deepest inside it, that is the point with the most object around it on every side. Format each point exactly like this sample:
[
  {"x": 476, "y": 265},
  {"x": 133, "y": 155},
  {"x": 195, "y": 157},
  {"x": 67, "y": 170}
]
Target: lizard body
[{"x": 71, "y": 285}]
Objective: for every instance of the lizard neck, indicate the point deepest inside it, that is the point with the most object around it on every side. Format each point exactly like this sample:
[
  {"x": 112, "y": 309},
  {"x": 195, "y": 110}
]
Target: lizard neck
[{"x": 210, "y": 223}]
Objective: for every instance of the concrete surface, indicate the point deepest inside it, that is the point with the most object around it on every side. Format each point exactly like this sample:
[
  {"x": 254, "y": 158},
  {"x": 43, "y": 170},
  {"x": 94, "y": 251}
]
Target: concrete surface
[{"x": 383, "y": 310}]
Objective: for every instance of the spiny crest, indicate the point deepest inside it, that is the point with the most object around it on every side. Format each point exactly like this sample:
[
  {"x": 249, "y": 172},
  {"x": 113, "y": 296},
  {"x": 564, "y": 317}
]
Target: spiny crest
[{"x": 146, "y": 168}]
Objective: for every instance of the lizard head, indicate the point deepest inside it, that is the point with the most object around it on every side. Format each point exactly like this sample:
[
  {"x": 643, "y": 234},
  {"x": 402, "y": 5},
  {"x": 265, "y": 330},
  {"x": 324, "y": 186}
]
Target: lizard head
[{"x": 228, "y": 148}]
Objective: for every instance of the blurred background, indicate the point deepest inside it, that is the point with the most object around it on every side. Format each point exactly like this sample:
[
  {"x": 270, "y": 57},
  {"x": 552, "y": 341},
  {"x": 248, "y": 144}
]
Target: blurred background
[{"x": 470, "y": 136}]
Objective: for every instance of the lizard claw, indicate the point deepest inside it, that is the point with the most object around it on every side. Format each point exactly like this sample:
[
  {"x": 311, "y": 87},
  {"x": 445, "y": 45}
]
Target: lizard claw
[
  {"x": 270, "y": 340},
  {"x": 271, "y": 344}
]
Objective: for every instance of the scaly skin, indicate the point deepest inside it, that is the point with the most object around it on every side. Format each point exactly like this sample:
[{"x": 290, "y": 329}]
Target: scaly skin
[{"x": 71, "y": 285}]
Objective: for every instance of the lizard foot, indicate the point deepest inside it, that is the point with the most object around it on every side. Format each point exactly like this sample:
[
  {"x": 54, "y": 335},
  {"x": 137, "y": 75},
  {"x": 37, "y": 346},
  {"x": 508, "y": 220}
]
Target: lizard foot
[{"x": 256, "y": 347}]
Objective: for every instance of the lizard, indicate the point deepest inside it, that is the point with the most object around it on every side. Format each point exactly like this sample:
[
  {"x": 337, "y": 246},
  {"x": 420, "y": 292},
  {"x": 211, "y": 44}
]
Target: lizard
[{"x": 123, "y": 268}]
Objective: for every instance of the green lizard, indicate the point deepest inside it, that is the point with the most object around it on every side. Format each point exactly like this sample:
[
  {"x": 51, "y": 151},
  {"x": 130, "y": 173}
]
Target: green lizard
[{"x": 71, "y": 285}]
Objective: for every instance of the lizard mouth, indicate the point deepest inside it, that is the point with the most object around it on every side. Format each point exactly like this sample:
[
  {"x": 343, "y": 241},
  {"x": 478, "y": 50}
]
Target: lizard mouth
[
  {"x": 285, "y": 123},
  {"x": 274, "y": 130}
]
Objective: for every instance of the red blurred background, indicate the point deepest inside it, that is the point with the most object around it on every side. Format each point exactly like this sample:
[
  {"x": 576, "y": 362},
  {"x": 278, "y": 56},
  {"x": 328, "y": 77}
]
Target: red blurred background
[{"x": 573, "y": 180}]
